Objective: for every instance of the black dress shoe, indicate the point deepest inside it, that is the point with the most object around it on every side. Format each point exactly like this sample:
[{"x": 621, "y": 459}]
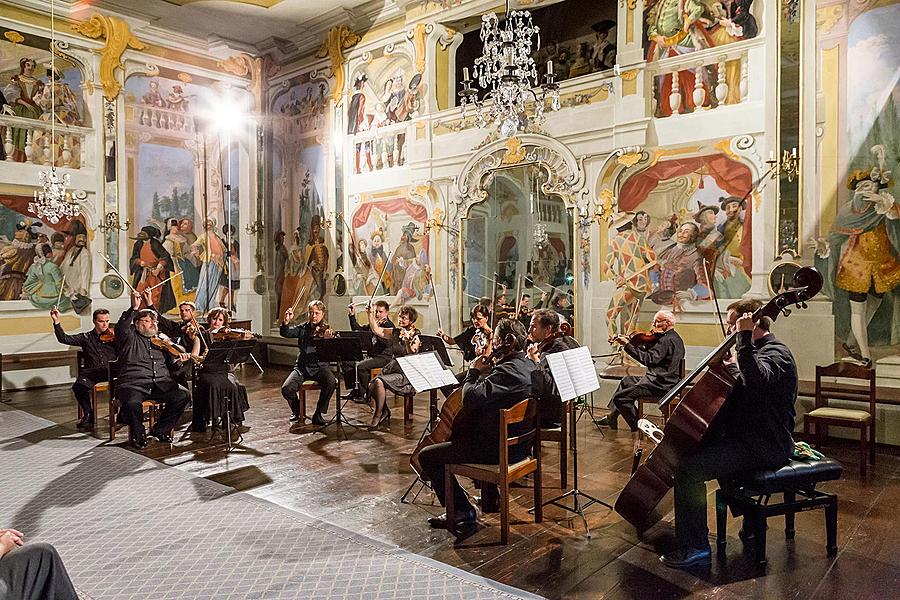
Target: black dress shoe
[
  {"x": 353, "y": 394},
  {"x": 139, "y": 439},
  {"x": 294, "y": 419},
  {"x": 462, "y": 518},
  {"x": 607, "y": 422},
  {"x": 165, "y": 438},
  {"x": 317, "y": 419},
  {"x": 686, "y": 558},
  {"x": 86, "y": 422}
]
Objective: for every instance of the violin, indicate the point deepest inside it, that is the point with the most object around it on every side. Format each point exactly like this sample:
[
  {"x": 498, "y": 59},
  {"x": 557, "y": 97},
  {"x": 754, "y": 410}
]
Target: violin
[
  {"x": 108, "y": 336},
  {"x": 408, "y": 335},
  {"x": 165, "y": 343},
  {"x": 481, "y": 341},
  {"x": 236, "y": 333},
  {"x": 322, "y": 329},
  {"x": 639, "y": 338}
]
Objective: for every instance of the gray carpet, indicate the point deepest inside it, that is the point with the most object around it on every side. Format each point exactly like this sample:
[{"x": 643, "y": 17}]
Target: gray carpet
[{"x": 129, "y": 527}]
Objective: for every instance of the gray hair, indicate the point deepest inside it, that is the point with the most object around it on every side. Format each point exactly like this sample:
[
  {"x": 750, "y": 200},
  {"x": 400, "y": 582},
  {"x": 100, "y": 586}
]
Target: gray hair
[{"x": 666, "y": 315}]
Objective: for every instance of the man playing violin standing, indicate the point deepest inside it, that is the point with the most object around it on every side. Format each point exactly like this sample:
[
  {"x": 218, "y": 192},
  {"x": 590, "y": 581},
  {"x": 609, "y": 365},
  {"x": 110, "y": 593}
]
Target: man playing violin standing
[
  {"x": 144, "y": 372},
  {"x": 97, "y": 348},
  {"x": 491, "y": 384},
  {"x": 547, "y": 338},
  {"x": 357, "y": 377},
  {"x": 754, "y": 432},
  {"x": 307, "y": 365},
  {"x": 662, "y": 356}
]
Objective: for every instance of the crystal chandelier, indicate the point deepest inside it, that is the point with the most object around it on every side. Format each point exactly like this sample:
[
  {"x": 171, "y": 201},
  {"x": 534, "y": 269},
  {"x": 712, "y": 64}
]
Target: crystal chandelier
[
  {"x": 540, "y": 237},
  {"x": 53, "y": 201},
  {"x": 508, "y": 75}
]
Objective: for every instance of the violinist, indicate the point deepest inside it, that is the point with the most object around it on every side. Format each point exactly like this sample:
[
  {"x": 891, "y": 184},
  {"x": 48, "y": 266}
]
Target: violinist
[
  {"x": 755, "y": 431},
  {"x": 491, "y": 384},
  {"x": 546, "y": 337},
  {"x": 307, "y": 365},
  {"x": 662, "y": 354},
  {"x": 472, "y": 340},
  {"x": 525, "y": 310},
  {"x": 403, "y": 340},
  {"x": 144, "y": 373},
  {"x": 216, "y": 381},
  {"x": 97, "y": 348},
  {"x": 357, "y": 376}
]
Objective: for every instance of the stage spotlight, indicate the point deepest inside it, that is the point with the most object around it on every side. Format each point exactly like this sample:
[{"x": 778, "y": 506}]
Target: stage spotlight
[{"x": 227, "y": 115}]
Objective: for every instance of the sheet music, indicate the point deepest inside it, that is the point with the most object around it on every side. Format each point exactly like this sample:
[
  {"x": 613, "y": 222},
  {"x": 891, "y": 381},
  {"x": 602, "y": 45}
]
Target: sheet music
[
  {"x": 573, "y": 372},
  {"x": 425, "y": 371}
]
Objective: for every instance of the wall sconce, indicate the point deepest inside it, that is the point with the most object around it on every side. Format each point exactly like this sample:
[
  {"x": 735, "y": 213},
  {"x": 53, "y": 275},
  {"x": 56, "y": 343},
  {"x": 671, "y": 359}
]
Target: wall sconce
[
  {"x": 788, "y": 166},
  {"x": 435, "y": 223},
  {"x": 111, "y": 223},
  {"x": 255, "y": 227}
]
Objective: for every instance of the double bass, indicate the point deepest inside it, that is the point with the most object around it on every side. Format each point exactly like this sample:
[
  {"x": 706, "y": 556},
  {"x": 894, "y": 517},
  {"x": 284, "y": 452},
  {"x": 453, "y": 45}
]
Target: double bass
[{"x": 692, "y": 418}]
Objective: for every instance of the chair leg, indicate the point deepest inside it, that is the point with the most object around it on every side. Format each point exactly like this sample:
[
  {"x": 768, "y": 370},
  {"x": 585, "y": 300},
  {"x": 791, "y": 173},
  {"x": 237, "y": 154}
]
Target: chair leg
[
  {"x": 112, "y": 420},
  {"x": 407, "y": 408},
  {"x": 863, "y": 450},
  {"x": 831, "y": 511},
  {"x": 721, "y": 520},
  {"x": 448, "y": 498},
  {"x": 789, "y": 498},
  {"x": 504, "y": 511},
  {"x": 872, "y": 442},
  {"x": 759, "y": 521},
  {"x": 302, "y": 398}
]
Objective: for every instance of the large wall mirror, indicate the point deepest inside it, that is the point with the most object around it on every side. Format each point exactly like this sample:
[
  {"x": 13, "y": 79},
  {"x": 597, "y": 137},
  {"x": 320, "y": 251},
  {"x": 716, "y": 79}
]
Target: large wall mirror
[{"x": 521, "y": 236}]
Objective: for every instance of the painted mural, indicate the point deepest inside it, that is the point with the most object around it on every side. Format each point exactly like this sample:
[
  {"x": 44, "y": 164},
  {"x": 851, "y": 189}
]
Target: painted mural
[
  {"x": 680, "y": 223},
  {"x": 385, "y": 92},
  {"x": 678, "y": 27},
  {"x": 389, "y": 253},
  {"x": 28, "y": 90},
  {"x": 861, "y": 252}
]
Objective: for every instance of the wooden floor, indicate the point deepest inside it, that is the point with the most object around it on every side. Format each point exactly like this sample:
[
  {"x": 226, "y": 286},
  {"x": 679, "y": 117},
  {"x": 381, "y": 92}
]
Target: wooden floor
[{"x": 356, "y": 482}]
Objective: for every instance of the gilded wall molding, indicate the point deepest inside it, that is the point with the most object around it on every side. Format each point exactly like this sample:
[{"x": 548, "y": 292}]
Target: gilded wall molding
[
  {"x": 418, "y": 35},
  {"x": 337, "y": 40},
  {"x": 244, "y": 65},
  {"x": 118, "y": 38}
]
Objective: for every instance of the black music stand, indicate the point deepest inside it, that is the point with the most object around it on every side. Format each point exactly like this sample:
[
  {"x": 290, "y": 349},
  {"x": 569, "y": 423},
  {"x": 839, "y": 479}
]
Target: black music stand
[
  {"x": 432, "y": 343},
  {"x": 337, "y": 350},
  {"x": 366, "y": 342},
  {"x": 229, "y": 352}
]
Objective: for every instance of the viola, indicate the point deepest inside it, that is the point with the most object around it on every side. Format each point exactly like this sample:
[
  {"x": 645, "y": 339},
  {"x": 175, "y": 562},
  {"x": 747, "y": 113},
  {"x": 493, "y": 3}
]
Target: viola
[
  {"x": 640, "y": 338},
  {"x": 408, "y": 336},
  {"x": 691, "y": 419},
  {"x": 236, "y": 333},
  {"x": 165, "y": 343},
  {"x": 108, "y": 336}
]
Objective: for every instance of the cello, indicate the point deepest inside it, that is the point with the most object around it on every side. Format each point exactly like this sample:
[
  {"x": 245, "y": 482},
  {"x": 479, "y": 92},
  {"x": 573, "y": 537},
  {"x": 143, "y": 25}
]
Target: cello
[{"x": 692, "y": 418}]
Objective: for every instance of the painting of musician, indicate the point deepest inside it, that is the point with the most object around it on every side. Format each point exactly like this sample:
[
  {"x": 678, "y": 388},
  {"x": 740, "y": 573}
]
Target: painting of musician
[
  {"x": 317, "y": 257},
  {"x": 18, "y": 256},
  {"x": 151, "y": 268},
  {"x": 44, "y": 286},
  {"x": 209, "y": 250},
  {"x": 679, "y": 275},
  {"x": 404, "y": 255}
]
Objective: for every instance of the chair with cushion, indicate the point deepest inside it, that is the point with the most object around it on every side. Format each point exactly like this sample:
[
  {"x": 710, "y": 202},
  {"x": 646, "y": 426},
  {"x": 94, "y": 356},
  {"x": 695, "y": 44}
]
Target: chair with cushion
[
  {"x": 824, "y": 415},
  {"x": 751, "y": 496},
  {"x": 503, "y": 474}
]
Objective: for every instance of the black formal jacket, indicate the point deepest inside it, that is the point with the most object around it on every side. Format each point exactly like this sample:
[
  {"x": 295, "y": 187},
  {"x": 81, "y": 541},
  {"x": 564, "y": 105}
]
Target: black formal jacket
[
  {"x": 96, "y": 353},
  {"x": 379, "y": 346},
  {"x": 307, "y": 361},
  {"x": 141, "y": 365},
  {"x": 542, "y": 386},
  {"x": 760, "y": 412},
  {"x": 483, "y": 397},
  {"x": 663, "y": 360}
]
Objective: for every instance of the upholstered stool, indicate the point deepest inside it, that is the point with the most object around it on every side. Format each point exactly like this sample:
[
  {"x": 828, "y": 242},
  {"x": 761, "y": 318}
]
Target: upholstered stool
[{"x": 750, "y": 496}]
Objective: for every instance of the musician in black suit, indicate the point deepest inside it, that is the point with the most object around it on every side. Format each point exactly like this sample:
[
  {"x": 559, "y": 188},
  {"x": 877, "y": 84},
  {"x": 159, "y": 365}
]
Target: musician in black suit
[
  {"x": 486, "y": 390},
  {"x": 663, "y": 362},
  {"x": 357, "y": 377},
  {"x": 307, "y": 365},
  {"x": 754, "y": 430},
  {"x": 547, "y": 339}
]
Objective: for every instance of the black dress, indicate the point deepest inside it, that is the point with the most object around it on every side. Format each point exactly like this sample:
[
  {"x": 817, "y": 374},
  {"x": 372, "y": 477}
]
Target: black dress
[
  {"x": 391, "y": 374},
  {"x": 217, "y": 384}
]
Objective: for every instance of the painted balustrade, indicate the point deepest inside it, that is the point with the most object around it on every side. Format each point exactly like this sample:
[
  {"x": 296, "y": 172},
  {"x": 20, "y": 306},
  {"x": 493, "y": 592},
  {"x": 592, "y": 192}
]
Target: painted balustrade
[
  {"x": 160, "y": 119},
  {"x": 30, "y": 141},
  {"x": 380, "y": 148}
]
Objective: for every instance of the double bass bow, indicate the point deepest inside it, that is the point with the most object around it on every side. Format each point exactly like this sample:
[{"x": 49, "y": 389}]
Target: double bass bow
[{"x": 691, "y": 419}]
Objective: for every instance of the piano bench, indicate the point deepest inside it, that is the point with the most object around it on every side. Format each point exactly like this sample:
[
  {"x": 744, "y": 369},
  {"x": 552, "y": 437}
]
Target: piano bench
[{"x": 750, "y": 496}]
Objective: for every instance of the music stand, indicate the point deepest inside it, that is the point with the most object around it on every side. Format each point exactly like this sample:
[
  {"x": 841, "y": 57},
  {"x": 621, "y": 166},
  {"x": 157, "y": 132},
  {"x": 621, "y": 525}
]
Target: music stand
[
  {"x": 432, "y": 343},
  {"x": 366, "y": 341},
  {"x": 336, "y": 350},
  {"x": 229, "y": 352}
]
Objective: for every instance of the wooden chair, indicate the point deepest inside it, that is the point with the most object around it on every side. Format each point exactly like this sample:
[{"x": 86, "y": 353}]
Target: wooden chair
[
  {"x": 407, "y": 399},
  {"x": 151, "y": 407},
  {"x": 102, "y": 386},
  {"x": 504, "y": 473},
  {"x": 667, "y": 410},
  {"x": 306, "y": 386},
  {"x": 560, "y": 435},
  {"x": 864, "y": 420}
]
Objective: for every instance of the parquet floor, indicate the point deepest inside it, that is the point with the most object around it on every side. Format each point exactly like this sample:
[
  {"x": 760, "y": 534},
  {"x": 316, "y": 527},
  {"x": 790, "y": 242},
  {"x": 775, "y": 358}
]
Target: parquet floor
[{"x": 356, "y": 481}]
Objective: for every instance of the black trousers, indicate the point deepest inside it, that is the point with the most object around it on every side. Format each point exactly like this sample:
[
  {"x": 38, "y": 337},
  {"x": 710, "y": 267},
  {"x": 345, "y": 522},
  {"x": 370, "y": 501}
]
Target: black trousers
[
  {"x": 721, "y": 459},
  {"x": 290, "y": 389},
  {"x": 624, "y": 401},
  {"x": 174, "y": 398},
  {"x": 363, "y": 370},
  {"x": 434, "y": 458},
  {"x": 35, "y": 572},
  {"x": 84, "y": 385}
]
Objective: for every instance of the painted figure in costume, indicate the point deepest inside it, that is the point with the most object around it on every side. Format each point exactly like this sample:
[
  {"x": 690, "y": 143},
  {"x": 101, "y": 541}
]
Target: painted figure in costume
[
  {"x": 317, "y": 256},
  {"x": 603, "y": 52},
  {"x": 731, "y": 279},
  {"x": 356, "y": 113},
  {"x": 43, "y": 282},
  {"x": 679, "y": 274},
  {"x": 628, "y": 264},
  {"x": 709, "y": 238},
  {"x": 18, "y": 257},
  {"x": 153, "y": 97},
  {"x": 66, "y": 108},
  {"x": 210, "y": 250},
  {"x": 21, "y": 94},
  {"x": 76, "y": 264},
  {"x": 298, "y": 281},
  {"x": 362, "y": 266},
  {"x": 379, "y": 263},
  {"x": 866, "y": 238},
  {"x": 186, "y": 227},
  {"x": 415, "y": 280},
  {"x": 178, "y": 248},
  {"x": 234, "y": 265},
  {"x": 151, "y": 264},
  {"x": 176, "y": 99},
  {"x": 58, "y": 245},
  {"x": 280, "y": 253},
  {"x": 403, "y": 256}
]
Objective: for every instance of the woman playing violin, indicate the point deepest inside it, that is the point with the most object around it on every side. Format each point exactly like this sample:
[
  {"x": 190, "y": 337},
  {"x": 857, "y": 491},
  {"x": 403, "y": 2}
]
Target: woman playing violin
[
  {"x": 215, "y": 380},
  {"x": 476, "y": 334},
  {"x": 662, "y": 353},
  {"x": 307, "y": 365},
  {"x": 404, "y": 339}
]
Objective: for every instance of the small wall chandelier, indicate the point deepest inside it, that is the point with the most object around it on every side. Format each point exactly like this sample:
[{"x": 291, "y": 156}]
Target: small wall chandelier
[
  {"x": 53, "y": 201},
  {"x": 507, "y": 73}
]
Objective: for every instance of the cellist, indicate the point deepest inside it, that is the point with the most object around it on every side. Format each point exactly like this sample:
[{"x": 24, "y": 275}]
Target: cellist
[
  {"x": 663, "y": 361},
  {"x": 756, "y": 424},
  {"x": 491, "y": 384}
]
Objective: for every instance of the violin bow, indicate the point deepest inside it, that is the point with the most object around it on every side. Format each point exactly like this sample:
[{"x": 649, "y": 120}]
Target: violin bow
[
  {"x": 494, "y": 302},
  {"x": 113, "y": 267},
  {"x": 712, "y": 291},
  {"x": 62, "y": 284},
  {"x": 381, "y": 275},
  {"x": 163, "y": 282},
  {"x": 434, "y": 300}
]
